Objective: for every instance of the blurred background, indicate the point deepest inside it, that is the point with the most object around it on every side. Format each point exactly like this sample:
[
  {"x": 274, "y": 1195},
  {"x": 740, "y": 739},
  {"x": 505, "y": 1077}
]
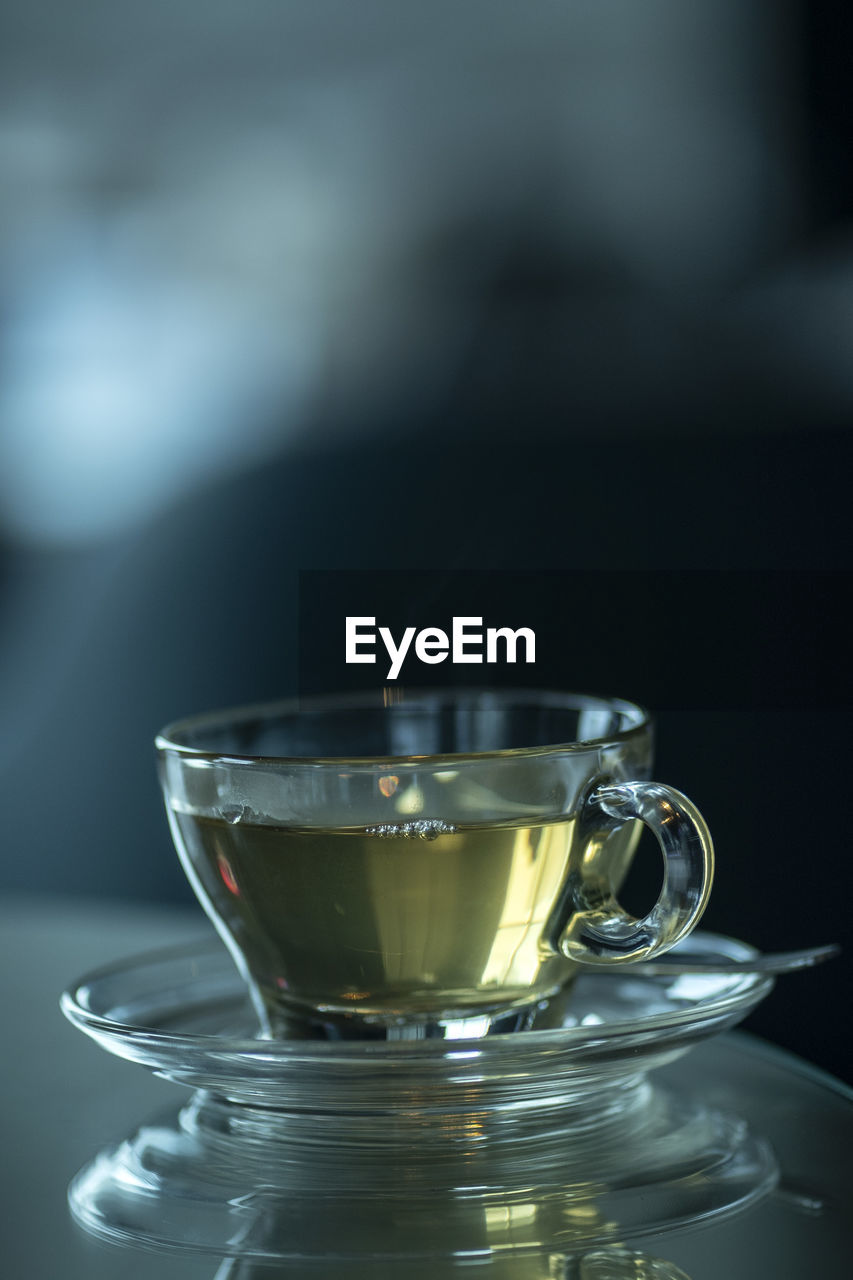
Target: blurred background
[{"x": 322, "y": 285}]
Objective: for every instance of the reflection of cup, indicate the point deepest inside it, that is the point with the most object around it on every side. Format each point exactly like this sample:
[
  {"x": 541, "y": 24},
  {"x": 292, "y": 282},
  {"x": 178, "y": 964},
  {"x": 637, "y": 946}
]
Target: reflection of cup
[
  {"x": 450, "y": 856},
  {"x": 614, "y": 1263}
]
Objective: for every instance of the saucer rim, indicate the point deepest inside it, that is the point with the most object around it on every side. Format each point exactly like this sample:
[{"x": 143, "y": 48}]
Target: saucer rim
[{"x": 746, "y": 989}]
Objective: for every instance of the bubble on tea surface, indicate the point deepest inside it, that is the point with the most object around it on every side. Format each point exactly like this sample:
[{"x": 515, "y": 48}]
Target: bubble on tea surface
[
  {"x": 422, "y": 829},
  {"x": 233, "y": 813}
]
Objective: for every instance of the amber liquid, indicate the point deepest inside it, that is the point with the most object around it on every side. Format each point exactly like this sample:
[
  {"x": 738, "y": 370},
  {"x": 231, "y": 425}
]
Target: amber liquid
[{"x": 391, "y": 925}]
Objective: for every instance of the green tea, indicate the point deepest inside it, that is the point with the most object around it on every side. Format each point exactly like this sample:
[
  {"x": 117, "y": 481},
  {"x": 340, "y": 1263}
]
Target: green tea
[{"x": 416, "y": 919}]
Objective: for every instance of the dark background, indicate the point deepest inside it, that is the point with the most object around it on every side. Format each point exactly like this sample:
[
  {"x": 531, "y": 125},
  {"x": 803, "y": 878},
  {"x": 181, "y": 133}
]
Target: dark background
[{"x": 564, "y": 300}]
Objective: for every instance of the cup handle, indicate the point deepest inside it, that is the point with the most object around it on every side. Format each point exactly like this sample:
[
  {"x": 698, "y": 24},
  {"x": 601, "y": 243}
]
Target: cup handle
[{"x": 601, "y": 932}]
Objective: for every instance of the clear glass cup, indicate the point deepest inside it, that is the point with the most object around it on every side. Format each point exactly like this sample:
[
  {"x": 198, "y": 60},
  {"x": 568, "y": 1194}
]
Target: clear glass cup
[{"x": 429, "y": 865}]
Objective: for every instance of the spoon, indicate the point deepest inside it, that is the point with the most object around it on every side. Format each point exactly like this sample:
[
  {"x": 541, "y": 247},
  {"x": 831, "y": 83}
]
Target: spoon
[{"x": 774, "y": 962}]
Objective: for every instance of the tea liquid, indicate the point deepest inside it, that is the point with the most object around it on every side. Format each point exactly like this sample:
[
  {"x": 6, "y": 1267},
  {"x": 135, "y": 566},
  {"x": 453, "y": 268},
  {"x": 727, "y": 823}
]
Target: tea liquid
[{"x": 383, "y": 922}]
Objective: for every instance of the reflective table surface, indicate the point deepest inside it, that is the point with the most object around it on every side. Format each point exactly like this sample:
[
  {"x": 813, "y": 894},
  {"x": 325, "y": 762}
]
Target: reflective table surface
[{"x": 64, "y": 1099}]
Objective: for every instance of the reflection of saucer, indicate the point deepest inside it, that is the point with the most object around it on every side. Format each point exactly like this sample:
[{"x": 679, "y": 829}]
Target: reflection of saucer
[
  {"x": 185, "y": 1013},
  {"x": 196, "y": 1183},
  {"x": 550, "y": 1140}
]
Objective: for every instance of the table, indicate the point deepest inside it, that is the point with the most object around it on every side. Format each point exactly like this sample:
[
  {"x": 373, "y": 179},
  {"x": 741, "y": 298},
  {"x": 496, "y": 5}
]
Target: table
[{"x": 63, "y": 1098}]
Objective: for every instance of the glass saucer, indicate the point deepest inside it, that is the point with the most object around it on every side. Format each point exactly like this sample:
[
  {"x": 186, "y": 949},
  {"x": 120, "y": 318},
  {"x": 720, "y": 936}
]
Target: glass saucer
[
  {"x": 186, "y": 1014},
  {"x": 550, "y": 1141}
]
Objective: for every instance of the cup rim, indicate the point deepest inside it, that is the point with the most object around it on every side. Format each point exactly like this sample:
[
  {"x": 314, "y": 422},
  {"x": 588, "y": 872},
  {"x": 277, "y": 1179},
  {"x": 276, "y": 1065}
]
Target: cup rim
[{"x": 167, "y": 743}]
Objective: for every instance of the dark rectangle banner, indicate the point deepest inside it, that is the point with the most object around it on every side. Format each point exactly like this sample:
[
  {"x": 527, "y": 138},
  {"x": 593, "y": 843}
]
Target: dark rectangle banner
[{"x": 670, "y": 640}]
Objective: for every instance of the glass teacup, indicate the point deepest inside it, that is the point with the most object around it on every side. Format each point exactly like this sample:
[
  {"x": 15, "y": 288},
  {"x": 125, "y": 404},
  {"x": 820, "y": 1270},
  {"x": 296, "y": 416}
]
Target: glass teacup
[{"x": 428, "y": 865}]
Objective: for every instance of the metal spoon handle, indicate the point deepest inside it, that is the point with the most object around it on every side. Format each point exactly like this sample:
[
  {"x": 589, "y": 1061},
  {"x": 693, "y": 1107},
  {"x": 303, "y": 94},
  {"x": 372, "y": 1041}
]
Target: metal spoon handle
[{"x": 772, "y": 963}]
